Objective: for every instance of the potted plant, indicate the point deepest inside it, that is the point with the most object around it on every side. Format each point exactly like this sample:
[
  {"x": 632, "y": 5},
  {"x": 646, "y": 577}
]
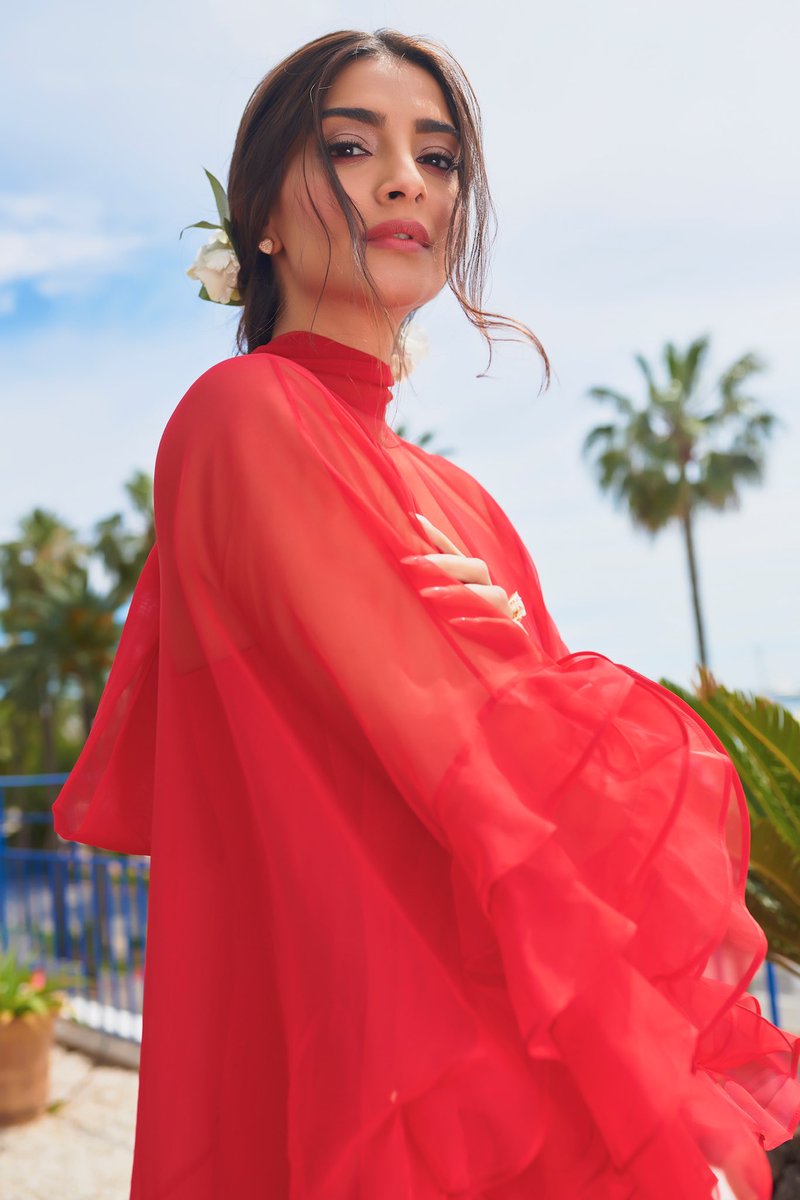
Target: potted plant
[{"x": 29, "y": 1001}]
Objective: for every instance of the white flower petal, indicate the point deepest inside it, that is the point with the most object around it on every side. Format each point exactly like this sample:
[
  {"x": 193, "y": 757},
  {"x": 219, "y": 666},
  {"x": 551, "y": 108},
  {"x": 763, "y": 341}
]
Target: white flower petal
[
  {"x": 217, "y": 267},
  {"x": 415, "y": 346}
]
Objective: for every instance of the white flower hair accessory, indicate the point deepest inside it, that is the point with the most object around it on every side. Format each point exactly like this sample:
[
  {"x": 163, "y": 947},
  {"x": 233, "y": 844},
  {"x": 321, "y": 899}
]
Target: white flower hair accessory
[
  {"x": 216, "y": 264},
  {"x": 414, "y": 346}
]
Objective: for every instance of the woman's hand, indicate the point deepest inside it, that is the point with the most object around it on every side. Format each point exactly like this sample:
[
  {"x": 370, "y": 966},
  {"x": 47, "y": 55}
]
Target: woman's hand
[{"x": 471, "y": 571}]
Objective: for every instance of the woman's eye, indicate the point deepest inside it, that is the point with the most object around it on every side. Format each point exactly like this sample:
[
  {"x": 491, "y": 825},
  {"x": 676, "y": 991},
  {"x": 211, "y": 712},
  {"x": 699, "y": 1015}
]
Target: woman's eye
[
  {"x": 448, "y": 160},
  {"x": 345, "y": 146}
]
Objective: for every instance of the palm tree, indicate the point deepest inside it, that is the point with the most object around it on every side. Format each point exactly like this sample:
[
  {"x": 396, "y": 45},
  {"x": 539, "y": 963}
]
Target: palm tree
[
  {"x": 682, "y": 451},
  {"x": 762, "y": 738},
  {"x": 59, "y": 629},
  {"x": 67, "y": 633},
  {"x": 121, "y": 551},
  {"x": 39, "y": 561}
]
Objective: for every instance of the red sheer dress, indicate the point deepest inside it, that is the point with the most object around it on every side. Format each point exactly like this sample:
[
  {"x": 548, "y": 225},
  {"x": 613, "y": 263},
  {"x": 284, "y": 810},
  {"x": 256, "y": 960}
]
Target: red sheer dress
[{"x": 437, "y": 908}]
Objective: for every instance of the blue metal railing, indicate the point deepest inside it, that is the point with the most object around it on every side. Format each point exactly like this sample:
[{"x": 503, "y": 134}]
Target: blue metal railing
[{"x": 76, "y": 912}]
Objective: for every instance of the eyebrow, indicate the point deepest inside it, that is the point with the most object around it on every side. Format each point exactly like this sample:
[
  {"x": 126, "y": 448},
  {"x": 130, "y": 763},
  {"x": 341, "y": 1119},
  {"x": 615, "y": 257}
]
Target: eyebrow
[{"x": 368, "y": 117}]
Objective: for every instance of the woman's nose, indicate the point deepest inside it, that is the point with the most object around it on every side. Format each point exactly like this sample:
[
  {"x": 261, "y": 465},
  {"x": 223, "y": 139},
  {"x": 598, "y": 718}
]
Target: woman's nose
[{"x": 403, "y": 176}]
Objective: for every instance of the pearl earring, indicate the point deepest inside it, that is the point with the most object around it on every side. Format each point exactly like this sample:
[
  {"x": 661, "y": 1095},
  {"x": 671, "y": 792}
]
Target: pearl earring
[{"x": 266, "y": 245}]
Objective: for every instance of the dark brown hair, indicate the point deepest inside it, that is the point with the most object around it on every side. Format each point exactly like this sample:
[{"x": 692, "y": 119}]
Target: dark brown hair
[{"x": 281, "y": 113}]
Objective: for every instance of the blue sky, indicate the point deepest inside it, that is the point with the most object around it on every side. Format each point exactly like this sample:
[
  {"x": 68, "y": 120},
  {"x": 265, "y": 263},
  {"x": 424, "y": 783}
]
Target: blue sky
[{"x": 643, "y": 166}]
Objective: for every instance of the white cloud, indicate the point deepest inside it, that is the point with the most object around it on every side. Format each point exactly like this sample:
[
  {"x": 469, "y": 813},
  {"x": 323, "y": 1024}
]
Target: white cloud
[{"x": 55, "y": 248}]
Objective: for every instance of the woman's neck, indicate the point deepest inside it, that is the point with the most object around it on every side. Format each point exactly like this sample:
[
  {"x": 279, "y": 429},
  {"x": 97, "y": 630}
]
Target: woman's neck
[{"x": 354, "y": 331}]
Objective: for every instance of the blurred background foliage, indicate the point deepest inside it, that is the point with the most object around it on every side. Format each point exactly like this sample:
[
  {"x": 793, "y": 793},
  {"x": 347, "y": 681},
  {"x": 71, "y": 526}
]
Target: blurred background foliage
[{"x": 60, "y": 621}]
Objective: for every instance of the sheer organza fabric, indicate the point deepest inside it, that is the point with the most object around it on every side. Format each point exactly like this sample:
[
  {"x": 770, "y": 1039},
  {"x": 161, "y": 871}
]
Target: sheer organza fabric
[{"x": 437, "y": 907}]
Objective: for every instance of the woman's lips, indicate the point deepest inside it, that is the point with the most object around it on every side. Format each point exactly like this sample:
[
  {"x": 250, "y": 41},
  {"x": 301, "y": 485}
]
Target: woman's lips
[{"x": 396, "y": 243}]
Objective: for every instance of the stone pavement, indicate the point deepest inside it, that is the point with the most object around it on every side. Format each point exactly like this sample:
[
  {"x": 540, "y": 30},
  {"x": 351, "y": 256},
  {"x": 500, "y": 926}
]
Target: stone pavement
[{"x": 82, "y": 1147}]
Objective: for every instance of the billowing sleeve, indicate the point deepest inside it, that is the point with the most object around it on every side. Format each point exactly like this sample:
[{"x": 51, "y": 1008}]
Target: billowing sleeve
[
  {"x": 598, "y": 821},
  {"x": 107, "y": 800}
]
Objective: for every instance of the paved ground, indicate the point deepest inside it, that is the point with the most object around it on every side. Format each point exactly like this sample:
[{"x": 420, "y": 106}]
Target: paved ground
[{"x": 82, "y": 1148}]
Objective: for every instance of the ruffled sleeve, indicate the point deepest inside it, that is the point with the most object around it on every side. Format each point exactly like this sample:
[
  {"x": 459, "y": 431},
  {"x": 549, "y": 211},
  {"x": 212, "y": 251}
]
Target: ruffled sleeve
[{"x": 597, "y": 820}]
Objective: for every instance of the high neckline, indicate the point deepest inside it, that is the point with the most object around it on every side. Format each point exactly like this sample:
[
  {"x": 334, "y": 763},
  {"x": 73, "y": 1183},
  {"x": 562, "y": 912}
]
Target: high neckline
[{"x": 358, "y": 377}]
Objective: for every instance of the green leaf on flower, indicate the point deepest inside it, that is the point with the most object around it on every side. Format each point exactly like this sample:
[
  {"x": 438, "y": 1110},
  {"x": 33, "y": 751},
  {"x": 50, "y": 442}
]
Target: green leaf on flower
[
  {"x": 200, "y": 225},
  {"x": 220, "y": 196},
  {"x": 234, "y": 302}
]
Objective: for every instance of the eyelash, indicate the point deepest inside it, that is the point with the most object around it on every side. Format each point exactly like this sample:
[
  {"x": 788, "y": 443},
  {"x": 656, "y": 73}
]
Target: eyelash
[{"x": 452, "y": 163}]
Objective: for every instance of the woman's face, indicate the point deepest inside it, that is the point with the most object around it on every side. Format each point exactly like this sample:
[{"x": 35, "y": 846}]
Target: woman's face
[{"x": 391, "y": 169}]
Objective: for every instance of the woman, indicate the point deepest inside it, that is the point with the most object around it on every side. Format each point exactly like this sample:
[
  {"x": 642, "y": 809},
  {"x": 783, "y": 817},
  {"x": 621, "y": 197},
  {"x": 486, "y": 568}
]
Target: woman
[{"x": 437, "y": 907}]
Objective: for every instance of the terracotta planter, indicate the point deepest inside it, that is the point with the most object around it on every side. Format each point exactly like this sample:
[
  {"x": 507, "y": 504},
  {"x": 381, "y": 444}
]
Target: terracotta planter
[{"x": 25, "y": 1045}]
